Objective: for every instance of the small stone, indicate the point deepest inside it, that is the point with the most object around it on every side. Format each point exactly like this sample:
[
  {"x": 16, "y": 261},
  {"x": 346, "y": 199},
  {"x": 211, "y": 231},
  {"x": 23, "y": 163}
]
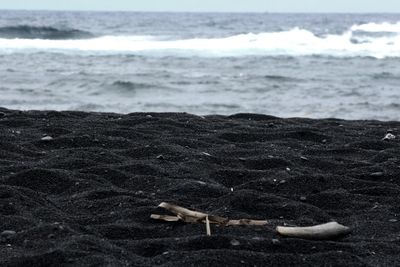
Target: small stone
[
  {"x": 304, "y": 158},
  {"x": 235, "y": 242},
  {"x": 389, "y": 136},
  {"x": 393, "y": 220},
  {"x": 149, "y": 116},
  {"x": 47, "y": 138},
  {"x": 324, "y": 141},
  {"x": 18, "y": 132},
  {"x": 160, "y": 157},
  {"x": 51, "y": 236},
  {"x": 303, "y": 198},
  {"x": 288, "y": 169},
  {"x": 206, "y": 154},
  {"x": 282, "y": 182}
]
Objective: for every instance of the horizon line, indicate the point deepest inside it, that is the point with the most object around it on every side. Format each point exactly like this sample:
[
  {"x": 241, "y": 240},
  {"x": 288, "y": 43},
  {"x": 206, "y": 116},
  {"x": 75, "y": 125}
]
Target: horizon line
[{"x": 237, "y": 12}]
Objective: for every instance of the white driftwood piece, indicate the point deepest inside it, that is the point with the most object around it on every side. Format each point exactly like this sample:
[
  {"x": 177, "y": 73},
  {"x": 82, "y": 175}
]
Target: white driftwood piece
[{"x": 318, "y": 232}]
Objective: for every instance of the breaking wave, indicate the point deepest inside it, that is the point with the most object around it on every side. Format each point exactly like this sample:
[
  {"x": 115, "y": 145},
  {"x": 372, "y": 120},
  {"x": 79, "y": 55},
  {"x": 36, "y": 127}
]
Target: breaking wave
[
  {"x": 358, "y": 41},
  {"x": 48, "y": 33}
]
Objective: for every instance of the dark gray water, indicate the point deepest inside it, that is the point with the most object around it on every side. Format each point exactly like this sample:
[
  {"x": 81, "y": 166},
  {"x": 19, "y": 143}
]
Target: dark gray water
[{"x": 320, "y": 65}]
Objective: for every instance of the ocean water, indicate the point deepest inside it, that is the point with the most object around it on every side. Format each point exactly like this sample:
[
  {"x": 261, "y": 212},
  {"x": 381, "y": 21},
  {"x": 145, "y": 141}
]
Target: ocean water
[{"x": 289, "y": 65}]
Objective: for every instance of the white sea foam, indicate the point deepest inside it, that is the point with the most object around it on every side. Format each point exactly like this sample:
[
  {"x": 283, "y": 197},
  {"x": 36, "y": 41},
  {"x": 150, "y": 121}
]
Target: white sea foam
[
  {"x": 295, "y": 42},
  {"x": 377, "y": 27}
]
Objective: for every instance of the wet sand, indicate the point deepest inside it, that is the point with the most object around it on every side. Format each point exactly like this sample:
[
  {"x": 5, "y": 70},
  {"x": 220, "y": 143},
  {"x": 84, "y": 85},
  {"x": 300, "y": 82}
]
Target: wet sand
[{"x": 84, "y": 196}]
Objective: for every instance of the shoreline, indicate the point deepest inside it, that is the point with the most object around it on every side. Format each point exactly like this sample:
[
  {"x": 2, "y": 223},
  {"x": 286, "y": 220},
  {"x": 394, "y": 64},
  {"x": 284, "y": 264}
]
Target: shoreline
[{"x": 84, "y": 196}]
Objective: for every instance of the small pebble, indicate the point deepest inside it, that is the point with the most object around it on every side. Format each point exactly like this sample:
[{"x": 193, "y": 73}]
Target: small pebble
[
  {"x": 304, "y": 158},
  {"x": 235, "y": 242},
  {"x": 282, "y": 182},
  {"x": 206, "y": 154},
  {"x": 47, "y": 138},
  {"x": 149, "y": 116},
  {"x": 389, "y": 136},
  {"x": 302, "y": 198},
  {"x": 393, "y": 220},
  {"x": 160, "y": 157}
]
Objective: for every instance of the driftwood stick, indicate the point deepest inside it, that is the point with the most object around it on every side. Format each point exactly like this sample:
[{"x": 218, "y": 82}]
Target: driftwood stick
[
  {"x": 166, "y": 218},
  {"x": 329, "y": 230},
  {"x": 208, "y": 226},
  {"x": 191, "y": 216},
  {"x": 247, "y": 222},
  {"x": 181, "y": 211},
  {"x": 318, "y": 232}
]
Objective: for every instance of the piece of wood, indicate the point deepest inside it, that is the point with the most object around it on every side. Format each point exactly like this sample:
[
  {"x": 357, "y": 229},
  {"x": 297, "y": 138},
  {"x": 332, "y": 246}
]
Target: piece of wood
[
  {"x": 318, "y": 232},
  {"x": 247, "y": 222},
  {"x": 208, "y": 227},
  {"x": 191, "y": 216},
  {"x": 329, "y": 230},
  {"x": 166, "y": 218}
]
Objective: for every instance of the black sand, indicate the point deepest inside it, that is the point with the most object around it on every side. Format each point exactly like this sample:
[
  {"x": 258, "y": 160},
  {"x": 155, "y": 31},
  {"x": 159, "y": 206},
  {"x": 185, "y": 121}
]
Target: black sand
[{"x": 85, "y": 197}]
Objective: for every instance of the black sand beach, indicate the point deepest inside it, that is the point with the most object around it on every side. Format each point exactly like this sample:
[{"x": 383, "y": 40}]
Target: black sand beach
[{"x": 84, "y": 197}]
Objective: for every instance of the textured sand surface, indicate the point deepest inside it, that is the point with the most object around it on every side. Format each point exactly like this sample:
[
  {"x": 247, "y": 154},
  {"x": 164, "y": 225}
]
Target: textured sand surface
[{"x": 84, "y": 197}]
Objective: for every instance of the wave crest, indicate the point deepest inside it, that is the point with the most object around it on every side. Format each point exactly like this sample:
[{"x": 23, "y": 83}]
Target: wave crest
[
  {"x": 377, "y": 27},
  {"x": 48, "y": 33},
  {"x": 362, "y": 40}
]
